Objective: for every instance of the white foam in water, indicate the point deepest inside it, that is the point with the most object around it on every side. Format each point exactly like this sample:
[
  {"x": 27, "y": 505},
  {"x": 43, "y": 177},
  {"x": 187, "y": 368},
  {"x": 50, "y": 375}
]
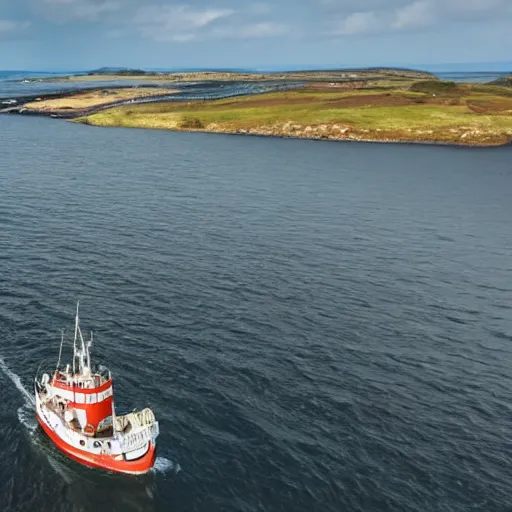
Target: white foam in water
[
  {"x": 29, "y": 399},
  {"x": 25, "y": 412},
  {"x": 163, "y": 465},
  {"x": 27, "y": 418}
]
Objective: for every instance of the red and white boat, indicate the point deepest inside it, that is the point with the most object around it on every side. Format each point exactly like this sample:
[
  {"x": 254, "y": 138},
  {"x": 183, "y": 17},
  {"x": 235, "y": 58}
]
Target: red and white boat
[{"x": 75, "y": 407}]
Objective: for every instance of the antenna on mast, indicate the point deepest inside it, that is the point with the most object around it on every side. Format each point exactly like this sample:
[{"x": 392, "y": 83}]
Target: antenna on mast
[
  {"x": 61, "y": 343},
  {"x": 83, "y": 353},
  {"x": 74, "y": 340},
  {"x": 89, "y": 343}
]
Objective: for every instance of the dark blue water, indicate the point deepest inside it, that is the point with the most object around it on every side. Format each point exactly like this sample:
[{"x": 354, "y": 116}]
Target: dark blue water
[
  {"x": 469, "y": 76},
  {"x": 317, "y": 326},
  {"x": 21, "y": 75}
]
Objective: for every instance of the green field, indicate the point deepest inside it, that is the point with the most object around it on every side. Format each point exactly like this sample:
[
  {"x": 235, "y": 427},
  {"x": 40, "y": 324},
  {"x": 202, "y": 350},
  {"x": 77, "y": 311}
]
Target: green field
[{"x": 422, "y": 111}]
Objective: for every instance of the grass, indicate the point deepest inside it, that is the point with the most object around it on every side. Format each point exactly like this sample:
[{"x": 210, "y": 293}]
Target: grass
[
  {"x": 192, "y": 123},
  {"x": 462, "y": 114},
  {"x": 435, "y": 87}
]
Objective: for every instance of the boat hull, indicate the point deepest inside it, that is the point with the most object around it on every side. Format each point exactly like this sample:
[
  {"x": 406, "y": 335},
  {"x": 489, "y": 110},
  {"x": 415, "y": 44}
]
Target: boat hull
[{"x": 139, "y": 466}]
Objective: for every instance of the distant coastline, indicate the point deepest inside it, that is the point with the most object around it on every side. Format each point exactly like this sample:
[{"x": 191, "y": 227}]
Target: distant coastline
[
  {"x": 225, "y": 75},
  {"x": 374, "y": 105}
]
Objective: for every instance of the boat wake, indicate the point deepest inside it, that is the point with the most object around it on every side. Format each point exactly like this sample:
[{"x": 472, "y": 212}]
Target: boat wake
[
  {"x": 27, "y": 418},
  {"x": 163, "y": 465},
  {"x": 29, "y": 399},
  {"x": 26, "y": 411},
  {"x": 26, "y": 414}
]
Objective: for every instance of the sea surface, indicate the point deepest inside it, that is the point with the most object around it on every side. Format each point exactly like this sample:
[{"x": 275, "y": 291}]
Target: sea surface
[
  {"x": 317, "y": 326},
  {"x": 471, "y": 76}
]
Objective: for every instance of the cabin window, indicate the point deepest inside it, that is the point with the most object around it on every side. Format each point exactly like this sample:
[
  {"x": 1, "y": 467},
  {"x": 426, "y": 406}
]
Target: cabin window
[
  {"x": 104, "y": 394},
  {"x": 90, "y": 399}
]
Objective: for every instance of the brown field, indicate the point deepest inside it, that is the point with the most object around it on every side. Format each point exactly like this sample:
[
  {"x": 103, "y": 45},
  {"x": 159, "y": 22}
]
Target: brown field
[
  {"x": 491, "y": 106},
  {"x": 85, "y": 100}
]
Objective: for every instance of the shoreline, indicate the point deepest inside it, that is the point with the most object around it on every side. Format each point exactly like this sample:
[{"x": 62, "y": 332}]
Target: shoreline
[
  {"x": 347, "y": 139},
  {"x": 413, "y": 112},
  {"x": 75, "y": 118}
]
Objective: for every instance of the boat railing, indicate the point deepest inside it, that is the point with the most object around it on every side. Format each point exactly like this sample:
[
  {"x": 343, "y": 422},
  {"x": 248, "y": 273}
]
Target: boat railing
[
  {"x": 96, "y": 379},
  {"x": 138, "y": 439}
]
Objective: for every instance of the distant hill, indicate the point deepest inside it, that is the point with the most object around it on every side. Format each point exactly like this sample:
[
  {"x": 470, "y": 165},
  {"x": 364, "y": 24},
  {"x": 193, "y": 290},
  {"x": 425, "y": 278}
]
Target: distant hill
[
  {"x": 505, "y": 81},
  {"x": 387, "y": 71},
  {"x": 120, "y": 71}
]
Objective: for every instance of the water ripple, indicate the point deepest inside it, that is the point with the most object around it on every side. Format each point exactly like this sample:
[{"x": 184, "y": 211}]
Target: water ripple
[{"x": 317, "y": 326}]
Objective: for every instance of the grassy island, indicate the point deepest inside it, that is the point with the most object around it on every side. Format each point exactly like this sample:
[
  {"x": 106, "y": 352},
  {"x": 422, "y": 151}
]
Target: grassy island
[
  {"x": 104, "y": 74},
  {"x": 392, "y": 109}
]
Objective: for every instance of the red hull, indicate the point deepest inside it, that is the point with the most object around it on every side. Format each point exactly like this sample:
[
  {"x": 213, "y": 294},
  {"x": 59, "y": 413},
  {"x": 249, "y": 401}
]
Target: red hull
[{"x": 136, "y": 467}]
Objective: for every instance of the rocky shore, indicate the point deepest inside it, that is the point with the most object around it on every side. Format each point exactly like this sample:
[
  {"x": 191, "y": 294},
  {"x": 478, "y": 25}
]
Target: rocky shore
[{"x": 336, "y": 132}]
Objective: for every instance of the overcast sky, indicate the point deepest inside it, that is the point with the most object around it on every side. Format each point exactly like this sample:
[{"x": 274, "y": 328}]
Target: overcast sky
[{"x": 84, "y": 34}]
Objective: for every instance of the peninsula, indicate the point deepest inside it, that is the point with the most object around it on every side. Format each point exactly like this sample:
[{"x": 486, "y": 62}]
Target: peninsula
[
  {"x": 379, "y": 105},
  {"x": 421, "y": 111}
]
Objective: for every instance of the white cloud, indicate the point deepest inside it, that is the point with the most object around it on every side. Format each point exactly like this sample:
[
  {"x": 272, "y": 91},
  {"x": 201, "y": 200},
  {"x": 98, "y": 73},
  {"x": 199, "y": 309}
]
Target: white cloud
[
  {"x": 264, "y": 29},
  {"x": 417, "y": 14},
  {"x": 9, "y": 28},
  {"x": 250, "y": 31},
  {"x": 61, "y": 11},
  {"x": 359, "y": 23},
  {"x": 475, "y": 10},
  {"x": 182, "y": 24},
  {"x": 178, "y": 16},
  {"x": 176, "y": 23},
  {"x": 258, "y": 8},
  {"x": 351, "y": 6},
  {"x": 185, "y": 38},
  {"x": 115, "y": 33},
  {"x": 475, "y": 5}
]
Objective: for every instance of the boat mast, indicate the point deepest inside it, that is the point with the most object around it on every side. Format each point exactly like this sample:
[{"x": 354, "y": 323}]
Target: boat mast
[
  {"x": 60, "y": 350},
  {"x": 82, "y": 351},
  {"x": 89, "y": 343},
  {"x": 74, "y": 341},
  {"x": 113, "y": 417}
]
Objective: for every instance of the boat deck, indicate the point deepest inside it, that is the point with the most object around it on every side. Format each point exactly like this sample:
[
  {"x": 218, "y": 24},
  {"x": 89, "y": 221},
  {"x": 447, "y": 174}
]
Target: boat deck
[{"x": 74, "y": 423}]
